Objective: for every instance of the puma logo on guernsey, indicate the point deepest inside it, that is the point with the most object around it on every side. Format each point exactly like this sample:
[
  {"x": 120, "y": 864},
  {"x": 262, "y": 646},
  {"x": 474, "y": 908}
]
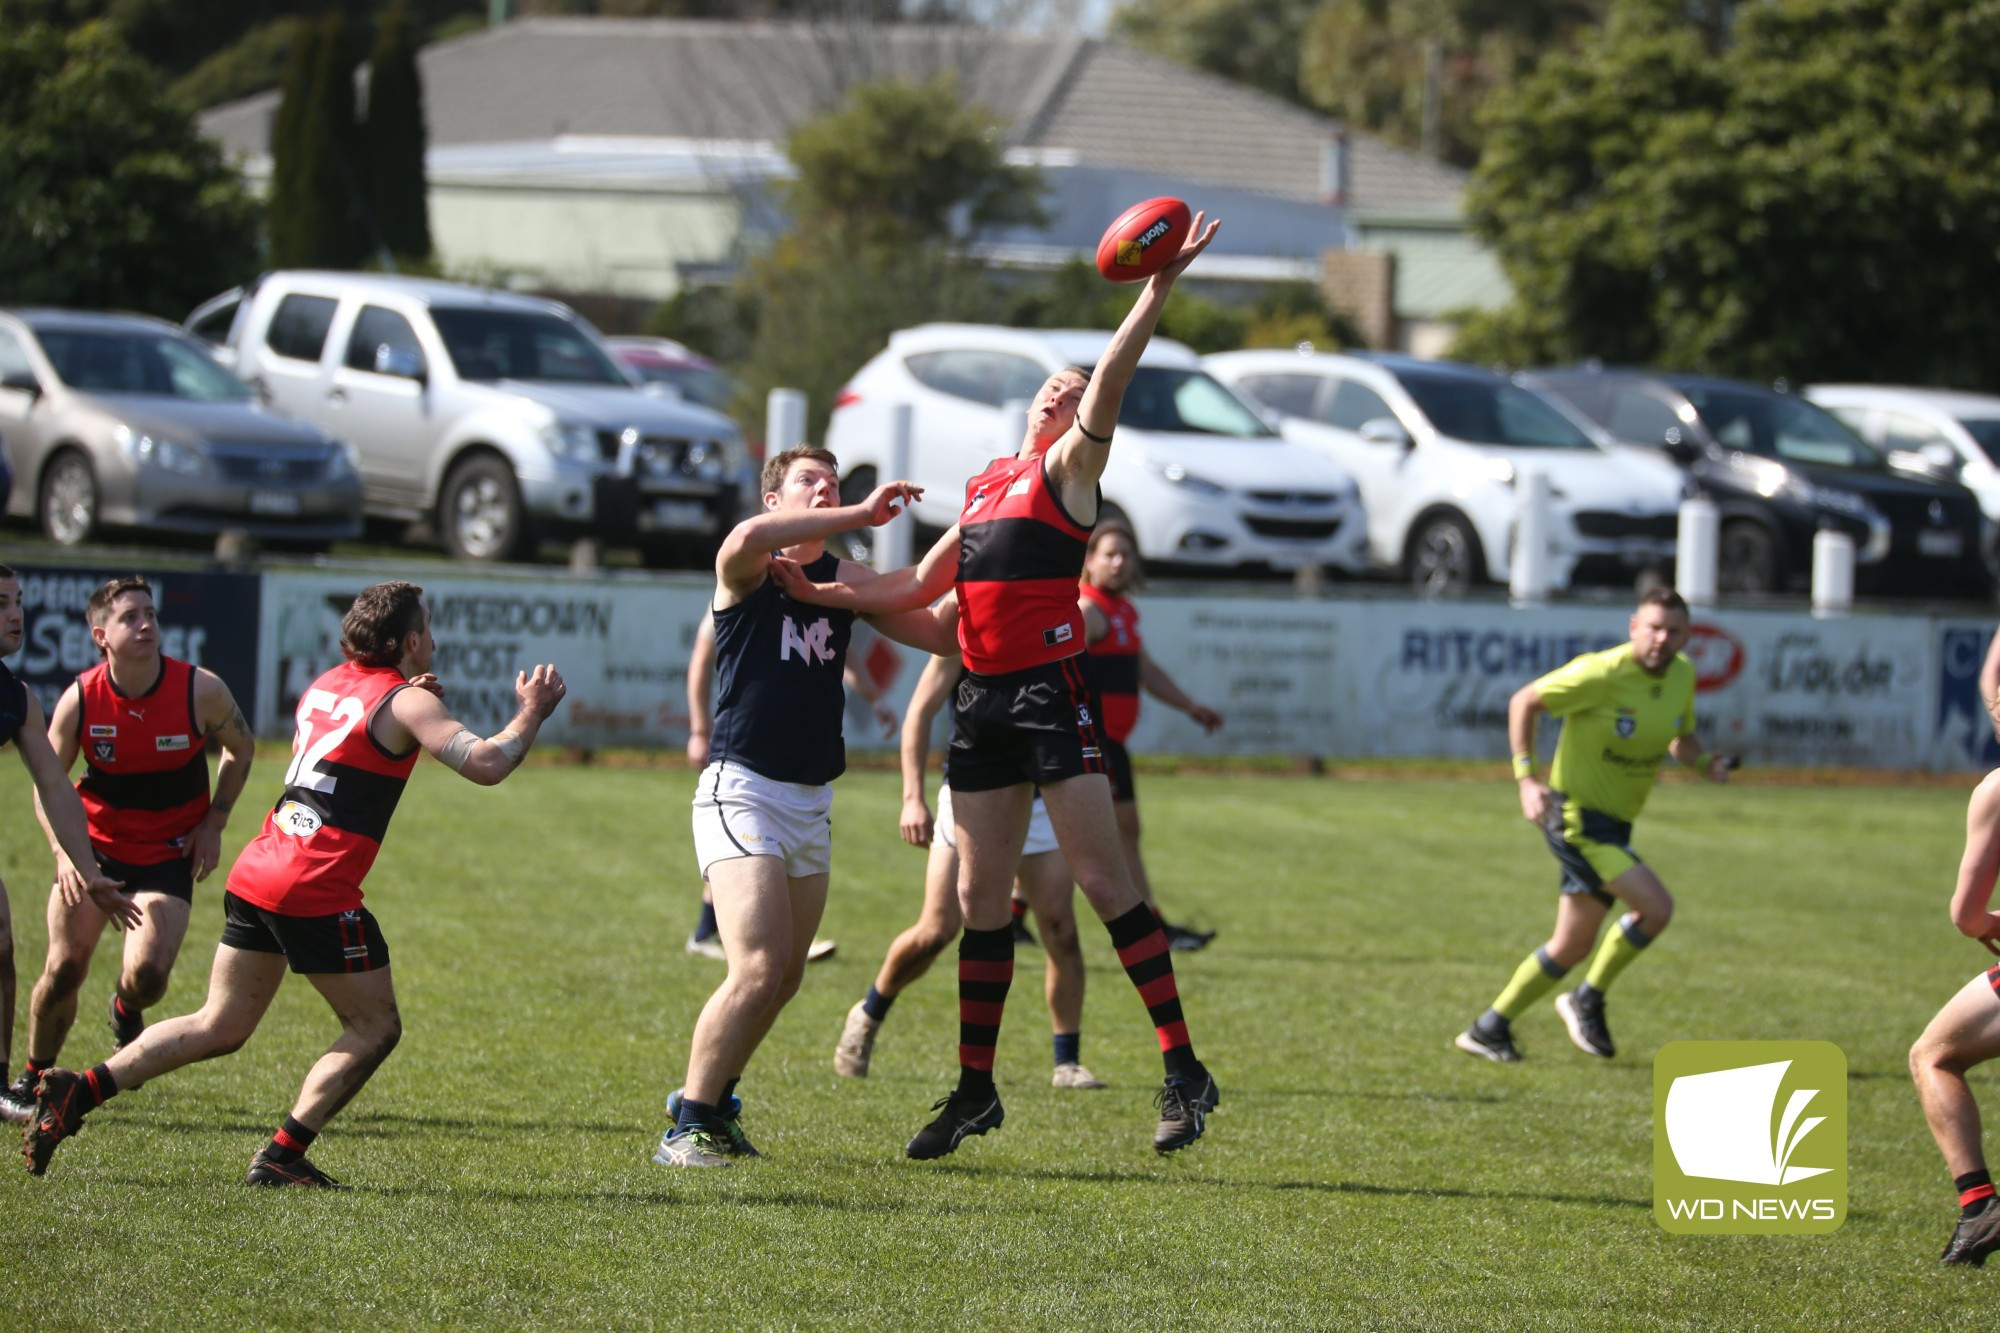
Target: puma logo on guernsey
[
  {"x": 812, "y": 645},
  {"x": 1060, "y": 634}
]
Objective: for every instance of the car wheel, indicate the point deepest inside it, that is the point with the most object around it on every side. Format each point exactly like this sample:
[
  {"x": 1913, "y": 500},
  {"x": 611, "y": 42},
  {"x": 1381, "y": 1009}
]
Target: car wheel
[
  {"x": 68, "y": 506},
  {"x": 1443, "y": 555},
  {"x": 1746, "y": 558},
  {"x": 858, "y": 545},
  {"x": 479, "y": 514}
]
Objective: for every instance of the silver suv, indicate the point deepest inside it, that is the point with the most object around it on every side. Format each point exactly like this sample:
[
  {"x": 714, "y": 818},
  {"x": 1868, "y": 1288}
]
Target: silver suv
[{"x": 498, "y": 418}]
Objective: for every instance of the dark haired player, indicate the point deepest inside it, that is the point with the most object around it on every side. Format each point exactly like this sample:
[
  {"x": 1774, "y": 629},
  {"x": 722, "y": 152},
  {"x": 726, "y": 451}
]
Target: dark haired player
[
  {"x": 294, "y": 895},
  {"x": 763, "y": 828},
  {"x": 1966, "y": 1032},
  {"x": 143, "y": 722},
  {"x": 1026, "y": 714},
  {"x": 21, "y": 725},
  {"x": 1624, "y": 710},
  {"x": 1123, "y": 668}
]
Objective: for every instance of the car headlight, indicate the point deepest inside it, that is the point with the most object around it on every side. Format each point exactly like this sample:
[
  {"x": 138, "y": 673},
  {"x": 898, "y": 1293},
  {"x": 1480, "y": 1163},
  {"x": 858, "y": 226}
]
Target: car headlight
[
  {"x": 1833, "y": 500},
  {"x": 1188, "y": 481},
  {"x": 167, "y": 455},
  {"x": 566, "y": 439},
  {"x": 711, "y": 460}
]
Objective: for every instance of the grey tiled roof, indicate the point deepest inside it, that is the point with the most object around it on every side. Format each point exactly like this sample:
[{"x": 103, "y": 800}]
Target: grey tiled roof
[{"x": 693, "y": 79}]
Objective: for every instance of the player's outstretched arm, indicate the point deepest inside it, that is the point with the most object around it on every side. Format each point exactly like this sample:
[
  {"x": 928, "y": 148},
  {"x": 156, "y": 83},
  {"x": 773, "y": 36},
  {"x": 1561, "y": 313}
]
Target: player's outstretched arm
[
  {"x": 223, "y": 722},
  {"x": 933, "y": 688},
  {"x": 1153, "y": 678},
  {"x": 741, "y": 562},
  {"x": 904, "y": 589},
  {"x": 426, "y": 720},
  {"x": 63, "y": 741},
  {"x": 1080, "y": 455},
  {"x": 61, "y": 810},
  {"x": 1972, "y": 898}
]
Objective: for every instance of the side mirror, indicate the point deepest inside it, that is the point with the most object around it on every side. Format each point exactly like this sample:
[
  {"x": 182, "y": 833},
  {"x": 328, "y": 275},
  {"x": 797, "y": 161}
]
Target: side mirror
[
  {"x": 1386, "y": 430},
  {"x": 1942, "y": 459},
  {"x": 1678, "y": 446},
  {"x": 401, "y": 362},
  {"x": 22, "y": 381}
]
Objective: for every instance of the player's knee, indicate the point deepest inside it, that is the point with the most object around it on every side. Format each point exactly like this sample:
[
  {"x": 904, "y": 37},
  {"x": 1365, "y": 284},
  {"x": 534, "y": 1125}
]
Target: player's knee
[
  {"x": 1059, "y": 934},
  {"x": 64, "y": 976},
  {"x": 758, "y": 978}
]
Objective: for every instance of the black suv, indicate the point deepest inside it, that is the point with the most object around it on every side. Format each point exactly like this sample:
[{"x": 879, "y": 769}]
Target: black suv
[{"x": 1780, "y": 469}]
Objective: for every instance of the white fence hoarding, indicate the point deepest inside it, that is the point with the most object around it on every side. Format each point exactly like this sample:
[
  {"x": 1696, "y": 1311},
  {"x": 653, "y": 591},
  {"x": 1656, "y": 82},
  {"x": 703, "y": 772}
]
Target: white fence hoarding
[{"x": 1292, "y": 677}]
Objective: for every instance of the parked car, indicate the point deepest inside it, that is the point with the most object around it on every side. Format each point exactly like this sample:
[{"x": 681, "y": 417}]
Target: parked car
[
  {"x": 1438, "y": 449},
  {"x": 498, "y": 418},
  {"x": 1197, "y": 473},
  {"x": 1780, "y": 469},
  {"x": 124, "y": 421},
  {"x": 663, "y": 364},
  {"x": 1949, "y": 435}
]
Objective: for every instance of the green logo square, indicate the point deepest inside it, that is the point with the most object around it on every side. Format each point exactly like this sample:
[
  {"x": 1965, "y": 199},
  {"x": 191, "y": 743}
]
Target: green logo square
[{"x": 1750, "y": 1137}]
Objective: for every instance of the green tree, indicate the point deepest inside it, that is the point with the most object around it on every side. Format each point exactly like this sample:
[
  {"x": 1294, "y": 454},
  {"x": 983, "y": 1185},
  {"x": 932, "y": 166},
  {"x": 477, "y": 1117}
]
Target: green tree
[
  {"x": 394, "y": 138},
  {"x": 318, "y": 208},
  {"x": 1812, "y": 192},
  {"x": 108, "y": 197},
  {"x": 891, "y": 186},
  {"x": 290, "y": 220}
]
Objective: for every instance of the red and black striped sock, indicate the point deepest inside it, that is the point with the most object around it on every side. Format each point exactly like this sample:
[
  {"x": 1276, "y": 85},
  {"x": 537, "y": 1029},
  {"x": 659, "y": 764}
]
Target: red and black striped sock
[
  {"x": 98, "y": 1084},
  {"x": 122, "y": 1010},
  {"x": 985, "y": 971},
  {"x": 1019, "y": 908},
  {"x": 1975, "y": 1192},
  {"x": 1142, "y": 948},
  {"x": 289, "y": 1144},
  {"x": 34, "y": 1069}
]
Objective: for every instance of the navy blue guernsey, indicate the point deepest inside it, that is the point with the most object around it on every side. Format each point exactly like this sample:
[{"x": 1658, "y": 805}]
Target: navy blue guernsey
[
  {"x": 778, "y": 694},
  {"x": 13, "y": 705}
]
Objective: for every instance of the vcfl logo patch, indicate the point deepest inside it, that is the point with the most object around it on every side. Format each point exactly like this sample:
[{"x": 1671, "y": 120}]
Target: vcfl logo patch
[
  {"x": 812, "y": 645},
  {"x": 1749, "y": 1137}
]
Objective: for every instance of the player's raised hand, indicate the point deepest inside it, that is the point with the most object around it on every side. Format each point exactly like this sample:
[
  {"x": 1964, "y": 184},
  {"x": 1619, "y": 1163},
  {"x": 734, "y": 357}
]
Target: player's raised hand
[
  {"x": 112, "y": 900},
  {"x": 540, "y": 690},
  {"x": 1198, "y": 239},
  {"x": 429, "y": 683},
  {"x": 889, "y": 500}
]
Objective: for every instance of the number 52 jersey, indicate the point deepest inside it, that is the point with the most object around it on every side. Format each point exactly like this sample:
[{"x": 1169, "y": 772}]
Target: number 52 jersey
[{"x": 322, "y": 836}]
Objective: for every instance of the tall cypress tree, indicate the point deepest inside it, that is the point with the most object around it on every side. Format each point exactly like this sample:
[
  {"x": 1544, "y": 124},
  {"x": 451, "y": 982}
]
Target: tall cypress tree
[
  {"x": 394, "y": 138},
  {"x": 290, "y": 219},
  {"x": 338, "y": 183}
]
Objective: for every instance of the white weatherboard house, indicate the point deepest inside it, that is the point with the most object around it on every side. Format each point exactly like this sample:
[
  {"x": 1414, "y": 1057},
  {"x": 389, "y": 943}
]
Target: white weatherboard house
[{"x": 632, "y": 156}]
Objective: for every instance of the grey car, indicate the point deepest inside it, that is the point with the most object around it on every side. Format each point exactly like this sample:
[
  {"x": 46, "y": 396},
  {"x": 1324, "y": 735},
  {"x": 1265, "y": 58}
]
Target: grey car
[{"x": 120, "y": 421}]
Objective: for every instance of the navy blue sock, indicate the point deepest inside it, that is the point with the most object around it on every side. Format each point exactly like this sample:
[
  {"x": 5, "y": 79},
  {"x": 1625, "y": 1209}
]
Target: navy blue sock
[
  {"x": 876, "y": 1006},
  {"x": 1069, "y": 1047},
  {"x": 705, "y": 927},
  {"x": 694, "y": 1115}
]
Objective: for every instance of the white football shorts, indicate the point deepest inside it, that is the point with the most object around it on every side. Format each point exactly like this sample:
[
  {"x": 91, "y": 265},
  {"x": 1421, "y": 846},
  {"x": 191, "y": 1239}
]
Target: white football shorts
[
  {"x": 741, "y": 813},
  {"x": 1041, "y": 833}
]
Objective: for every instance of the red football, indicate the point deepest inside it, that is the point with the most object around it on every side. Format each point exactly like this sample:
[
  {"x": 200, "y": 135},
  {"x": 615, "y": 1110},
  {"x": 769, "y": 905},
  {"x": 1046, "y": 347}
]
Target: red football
[{"x": 1145, "y": 239}]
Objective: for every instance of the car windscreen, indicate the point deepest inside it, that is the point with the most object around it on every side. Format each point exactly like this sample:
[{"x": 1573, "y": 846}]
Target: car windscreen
[
  {"x": 703, "y": 386},
  {"x": 523, "y": 345},
  {"x": 1480, "y": 411},
  {"x": 1778, "y": 425},
  {"x": 1986, "y": 433},
  {"x": 137, "y": 361},
  {"x": 1171, "y": 399}
]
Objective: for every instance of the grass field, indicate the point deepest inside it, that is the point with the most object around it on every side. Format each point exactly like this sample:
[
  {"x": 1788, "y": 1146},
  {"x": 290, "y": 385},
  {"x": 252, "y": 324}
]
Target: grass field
[{"x": 1360, "y": 1173}]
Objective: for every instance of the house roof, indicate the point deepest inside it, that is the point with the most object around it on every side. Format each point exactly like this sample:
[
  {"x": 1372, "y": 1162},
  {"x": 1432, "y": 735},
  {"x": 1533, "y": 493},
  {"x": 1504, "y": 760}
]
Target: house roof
[{"x": 1060, "y": 96}]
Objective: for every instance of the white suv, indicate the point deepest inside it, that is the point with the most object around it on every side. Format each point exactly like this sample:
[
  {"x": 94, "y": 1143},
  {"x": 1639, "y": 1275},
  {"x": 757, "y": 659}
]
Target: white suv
[
  {"x": 1437, "y": 447},
  {"x": 1197, "y": 473},
  {"x": 498, "y": 417}
]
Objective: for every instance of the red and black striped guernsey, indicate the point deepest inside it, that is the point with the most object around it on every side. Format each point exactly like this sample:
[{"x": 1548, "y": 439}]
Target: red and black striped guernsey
[
  {"x": 1114, "y": 661},
  {"x": 1019, "y": 558},
  {"x": 145, "y": 776},
  {"x": 318, "y": 843}
]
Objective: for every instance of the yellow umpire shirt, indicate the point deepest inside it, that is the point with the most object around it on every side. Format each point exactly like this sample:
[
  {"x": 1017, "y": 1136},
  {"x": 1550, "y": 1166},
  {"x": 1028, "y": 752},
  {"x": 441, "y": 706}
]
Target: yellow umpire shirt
[{"x": 1617, "y": 723}]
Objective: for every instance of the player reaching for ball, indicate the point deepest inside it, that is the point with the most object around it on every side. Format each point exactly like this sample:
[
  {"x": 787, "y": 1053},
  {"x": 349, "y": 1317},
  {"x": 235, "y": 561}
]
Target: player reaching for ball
[
  {"x": 1025, "y": 713},
  {"x": 1624, "y": 710},
  {"x": 294, "y": 895}
]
